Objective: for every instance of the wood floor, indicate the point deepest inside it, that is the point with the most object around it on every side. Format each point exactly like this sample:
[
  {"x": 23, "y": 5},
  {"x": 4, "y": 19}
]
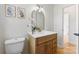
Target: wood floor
[{"x": 68, "y": 48}]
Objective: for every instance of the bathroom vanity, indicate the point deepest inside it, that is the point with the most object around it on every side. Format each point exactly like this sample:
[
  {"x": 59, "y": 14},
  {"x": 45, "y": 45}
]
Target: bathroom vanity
[
  {"x": 44, "y": 42},
  {"x": 41, "y": 41}
]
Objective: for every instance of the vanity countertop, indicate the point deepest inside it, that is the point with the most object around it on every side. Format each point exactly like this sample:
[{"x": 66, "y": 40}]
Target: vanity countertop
[{"x": 42, "y": 33}]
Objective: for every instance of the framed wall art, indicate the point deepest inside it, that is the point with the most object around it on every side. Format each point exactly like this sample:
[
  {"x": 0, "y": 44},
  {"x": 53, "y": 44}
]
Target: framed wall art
[
  {"x": 20, "y": 12},
  {"x": 10, "y": 10}
]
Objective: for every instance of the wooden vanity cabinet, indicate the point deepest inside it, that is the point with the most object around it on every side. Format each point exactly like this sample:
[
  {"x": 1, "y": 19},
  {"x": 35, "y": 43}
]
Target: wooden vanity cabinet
[{"x": 44, "y": 45}]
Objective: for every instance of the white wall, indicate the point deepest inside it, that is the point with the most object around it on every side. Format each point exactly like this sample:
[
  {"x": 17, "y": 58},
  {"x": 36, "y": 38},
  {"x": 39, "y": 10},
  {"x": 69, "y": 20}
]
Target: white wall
[
  {"x": 66, "y": 24},
  {"x": 1, "y": 35},
  {"x": 48, "y": 16},
  {"x": 2, "y": 30},
  {"x": 18, "y": 27},
  {"x": 58, "y": 22}
]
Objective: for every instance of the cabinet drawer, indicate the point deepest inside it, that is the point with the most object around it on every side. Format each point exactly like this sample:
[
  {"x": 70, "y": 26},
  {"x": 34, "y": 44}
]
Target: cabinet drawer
[{"x": 45, "y": 38}]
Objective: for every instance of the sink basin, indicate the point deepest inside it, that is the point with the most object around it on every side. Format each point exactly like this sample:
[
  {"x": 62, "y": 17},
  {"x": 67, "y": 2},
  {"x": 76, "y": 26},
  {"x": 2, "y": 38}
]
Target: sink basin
[
  {"x": 36, "y": 32},
  {"x": 42, "y": 33}
]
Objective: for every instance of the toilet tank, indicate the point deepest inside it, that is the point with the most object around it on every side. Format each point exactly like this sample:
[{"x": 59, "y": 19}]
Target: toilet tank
[{"x": 14, "y": 46}]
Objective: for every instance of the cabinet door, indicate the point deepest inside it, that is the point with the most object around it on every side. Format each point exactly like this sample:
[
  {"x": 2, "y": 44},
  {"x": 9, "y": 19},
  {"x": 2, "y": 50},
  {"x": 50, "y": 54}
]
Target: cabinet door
[
  {"x": 41, "y": 49},
  {"x": 46, "y": 48},
  {"x": 49, "y": 47},
  {"x": 54, "y": 46}
]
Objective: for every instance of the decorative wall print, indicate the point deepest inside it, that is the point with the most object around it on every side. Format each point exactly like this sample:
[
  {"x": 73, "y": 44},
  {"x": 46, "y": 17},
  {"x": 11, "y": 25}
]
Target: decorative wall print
[
  {"x": 20, "y": 12},
  {"x": 10, "y": 10}
]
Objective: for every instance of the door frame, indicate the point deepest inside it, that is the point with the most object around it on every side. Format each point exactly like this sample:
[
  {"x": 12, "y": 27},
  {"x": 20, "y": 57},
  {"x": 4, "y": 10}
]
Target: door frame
[
  {"x": 63, "y": 28},
  {"x": 76, "y": 22}
]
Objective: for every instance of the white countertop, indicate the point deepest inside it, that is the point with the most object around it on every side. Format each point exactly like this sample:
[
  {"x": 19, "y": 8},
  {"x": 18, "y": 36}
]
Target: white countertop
[{"x": 42, "y": 33}]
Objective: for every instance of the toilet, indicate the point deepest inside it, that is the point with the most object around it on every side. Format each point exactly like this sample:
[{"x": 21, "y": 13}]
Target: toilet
[{"x": 14, "y": 46}]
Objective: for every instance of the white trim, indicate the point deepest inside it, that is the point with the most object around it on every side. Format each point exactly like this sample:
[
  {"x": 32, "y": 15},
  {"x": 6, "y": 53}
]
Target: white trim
[{"x": 77, "y": 27}]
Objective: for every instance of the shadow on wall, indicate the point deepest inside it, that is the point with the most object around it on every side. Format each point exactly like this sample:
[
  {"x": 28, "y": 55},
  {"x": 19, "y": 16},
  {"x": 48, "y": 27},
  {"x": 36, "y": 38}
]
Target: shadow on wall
[
  {"x": 26, "y": 47},
  {"x": 2, "y": 34}
]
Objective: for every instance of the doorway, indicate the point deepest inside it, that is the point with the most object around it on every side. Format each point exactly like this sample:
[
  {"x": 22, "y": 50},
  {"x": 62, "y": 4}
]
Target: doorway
[{"x": 69, "y": 28}]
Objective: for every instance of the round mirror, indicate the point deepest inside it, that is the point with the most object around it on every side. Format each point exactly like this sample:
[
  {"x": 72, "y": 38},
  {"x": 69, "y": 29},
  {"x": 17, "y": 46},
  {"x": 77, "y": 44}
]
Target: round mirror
[{"x": 38, "y": 18}]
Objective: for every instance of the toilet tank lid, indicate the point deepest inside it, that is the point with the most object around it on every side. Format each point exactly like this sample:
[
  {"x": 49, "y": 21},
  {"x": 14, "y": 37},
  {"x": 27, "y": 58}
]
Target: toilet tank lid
[{"x": 11, "y": 41}]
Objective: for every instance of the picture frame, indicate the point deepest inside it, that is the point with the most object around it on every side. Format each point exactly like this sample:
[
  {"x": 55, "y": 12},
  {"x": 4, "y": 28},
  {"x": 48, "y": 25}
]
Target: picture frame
[
  {"x": 10, "y": 10},
  {"x": 20, "y": 13}
]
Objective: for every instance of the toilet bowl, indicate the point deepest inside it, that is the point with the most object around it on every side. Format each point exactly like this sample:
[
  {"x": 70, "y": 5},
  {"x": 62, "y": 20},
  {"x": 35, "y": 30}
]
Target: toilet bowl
[{"x": 14, "y": 46}]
